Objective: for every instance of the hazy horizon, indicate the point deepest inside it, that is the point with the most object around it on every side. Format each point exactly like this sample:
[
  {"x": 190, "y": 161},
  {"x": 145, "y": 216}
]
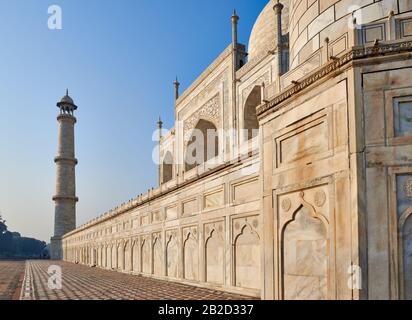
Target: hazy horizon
[{"x": 118, "y": 59}]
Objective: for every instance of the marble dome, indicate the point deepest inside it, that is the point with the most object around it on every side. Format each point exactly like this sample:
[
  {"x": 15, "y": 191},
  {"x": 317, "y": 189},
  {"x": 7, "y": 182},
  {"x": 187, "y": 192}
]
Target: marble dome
[
  {"x": 67, "y": 99},
  {"x": 263, "y": 33}
]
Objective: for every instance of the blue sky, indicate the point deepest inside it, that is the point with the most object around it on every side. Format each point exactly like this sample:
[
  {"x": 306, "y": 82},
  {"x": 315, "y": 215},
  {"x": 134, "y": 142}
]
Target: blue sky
[{"x": 118, "y": 59}]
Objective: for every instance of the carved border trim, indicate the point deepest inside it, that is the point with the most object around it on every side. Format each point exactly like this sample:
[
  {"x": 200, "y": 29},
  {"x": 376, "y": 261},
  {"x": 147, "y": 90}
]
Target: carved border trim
[{"x": 355, "y": 54}]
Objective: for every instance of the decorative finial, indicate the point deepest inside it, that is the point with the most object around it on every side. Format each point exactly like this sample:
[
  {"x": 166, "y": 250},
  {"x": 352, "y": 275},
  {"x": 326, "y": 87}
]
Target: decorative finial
[
  {"x": 278, "y": 7},
  {"x": 177, "y": 85},
  {"x": 160, "y": 123},
  {"x": 67, "y": 92},
  {"x": 235, "y": 17}
]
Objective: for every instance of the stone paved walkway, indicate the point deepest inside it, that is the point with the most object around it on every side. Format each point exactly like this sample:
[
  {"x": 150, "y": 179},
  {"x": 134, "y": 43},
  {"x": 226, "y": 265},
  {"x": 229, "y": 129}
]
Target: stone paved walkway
[
  {"x": 11, "y": 277},
  {"x": 85, "y": 283}
]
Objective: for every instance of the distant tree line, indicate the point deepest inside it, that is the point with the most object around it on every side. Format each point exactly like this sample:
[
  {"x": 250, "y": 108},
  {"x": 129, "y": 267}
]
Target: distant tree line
[{"x": 13, "y": 245}]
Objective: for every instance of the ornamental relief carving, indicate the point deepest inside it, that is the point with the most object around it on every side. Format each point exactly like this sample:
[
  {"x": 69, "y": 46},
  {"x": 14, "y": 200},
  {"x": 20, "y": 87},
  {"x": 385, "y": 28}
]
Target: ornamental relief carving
[
  {"x": 216, "y": 227},
  {"x": 204, "y": 94},
  {"x": 258, "y": 82},
  {"x": 326, "y": 69},
  {"x": 156, "y": 236},
  {"x": 145, "y": 238},
  {"x": 320, "y": 198},
  {"x": 209, "y": 111},
  {"x": 190, "y": 232},
  {"x": 407, "y": 188},
  {"x": 240, "y": 224},
  {"x": 313, "y": 199},
  {"x": 171, "y": 234},
  {"x": 286, "y": 204}
]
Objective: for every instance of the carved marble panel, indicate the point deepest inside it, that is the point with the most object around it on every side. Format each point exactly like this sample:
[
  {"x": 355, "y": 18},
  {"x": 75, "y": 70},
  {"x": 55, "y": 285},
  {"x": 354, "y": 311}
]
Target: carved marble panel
[
  {"x": 172, "y": 253},
  {"x": 156, "y": 216},
  {"x": 135, "y": 256},
  {"x": 108, "y": 256},
  {"x": 171, "y": 213},
  {"x": 373, "y": 32},
  {"x": 258, "y": 82},
  {"x": 209, "y": 111},
  {"x": 404, "y": 193},
  {"x": 191, "y": 254},
  {"x": 304, "y": 142},
  {"x": 247, "y": 253},
  {"x": 190, "y": 207},
  {"x": 145, "y": 255},
  {"x": 404, "y": 214},
  {"x": 145, "y": 219},
  {"x": 305, "y": 258},
  {"x": 405, "y": 27},
  {"x": 246, "y": 191},
  {"x": 120, "y": 257},
  {"x": 215, "y": 252},
  {"x": 127, "y": 256},
  {"x": 157, "y": 255},
  {"x": 214, "y": 200},
  {"x": 114, "y": 257}
]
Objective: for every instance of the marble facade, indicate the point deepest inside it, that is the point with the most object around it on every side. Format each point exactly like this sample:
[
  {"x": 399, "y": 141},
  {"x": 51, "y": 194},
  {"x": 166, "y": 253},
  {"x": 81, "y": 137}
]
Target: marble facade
[{"x": 319, "y": 207}]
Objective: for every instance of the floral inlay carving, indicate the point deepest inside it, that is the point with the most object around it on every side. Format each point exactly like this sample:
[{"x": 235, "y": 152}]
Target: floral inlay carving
[
  {"x": 320, "y": 198},
  {"x": 209, "y": 111},
  {"x": 407, "y": 188}
]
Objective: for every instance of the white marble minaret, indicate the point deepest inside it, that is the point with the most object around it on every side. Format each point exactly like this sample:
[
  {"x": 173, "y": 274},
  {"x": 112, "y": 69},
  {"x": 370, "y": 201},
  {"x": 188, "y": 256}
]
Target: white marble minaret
[{"x": 65, "y": 198}]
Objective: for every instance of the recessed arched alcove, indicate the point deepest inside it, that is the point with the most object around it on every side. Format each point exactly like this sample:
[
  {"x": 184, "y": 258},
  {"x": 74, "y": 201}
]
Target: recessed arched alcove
[
  {"x": 305, "y": 257},
  {"x": 191, "y": 258},
  {"x": 247, "y": 259},
  {"x": 215, "y": 257},
  {"x": 157, "y": 257},
  {"x": 145, "y": 257},
  {"x": 167, "y": 167},
  {"x": 203, "y": 144},
  {"x": 250, "y": 120},
  {"x": 172, "y": 257}
]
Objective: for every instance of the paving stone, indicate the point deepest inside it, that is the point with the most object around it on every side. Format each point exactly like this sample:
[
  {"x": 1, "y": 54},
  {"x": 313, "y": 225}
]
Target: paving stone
[
  {"x": 83, "y": 283},
  {"x": 11, "y": 273}
]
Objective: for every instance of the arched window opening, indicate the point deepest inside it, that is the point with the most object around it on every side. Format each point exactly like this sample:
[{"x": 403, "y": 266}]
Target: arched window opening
[
  {"x": 251, "y": 123},
  {"x": 203, "y": 144},
  {"x": 167, "y": 167}
]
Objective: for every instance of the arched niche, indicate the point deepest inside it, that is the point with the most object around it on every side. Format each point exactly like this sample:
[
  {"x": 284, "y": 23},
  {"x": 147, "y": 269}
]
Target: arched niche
[
  {"x": 108, "y": 256},
  {"x": 172, "y": 251},
  {"x": 191, "y": 258},
  {"x": 203, "y": 144},
  {"x": 114, "y": 257},
  {"x": 215, "y": 257},
  {"x": 157, "y": 256},
  {"x": 167, "y": 167},
  {"x": 145, "y": 257},
  {"x": 247, "y": 258},
  {"x": 250, "y": 120},
  {"x": 305, "y": 256},
  {"x": 120, "y": 256},
  {"x": 135, "y": 256},
  {"x": 126, "y": 256}
]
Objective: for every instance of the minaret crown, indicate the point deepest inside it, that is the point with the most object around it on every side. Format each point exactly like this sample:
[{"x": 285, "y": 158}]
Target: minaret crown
[
  {"x": 66, "y": 104},
  {"x": 176, "y": 84}
]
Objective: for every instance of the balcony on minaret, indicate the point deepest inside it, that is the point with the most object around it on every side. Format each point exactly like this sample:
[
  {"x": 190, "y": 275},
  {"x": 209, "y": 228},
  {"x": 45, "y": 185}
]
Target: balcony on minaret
[{"x": 66, "y": 105}]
